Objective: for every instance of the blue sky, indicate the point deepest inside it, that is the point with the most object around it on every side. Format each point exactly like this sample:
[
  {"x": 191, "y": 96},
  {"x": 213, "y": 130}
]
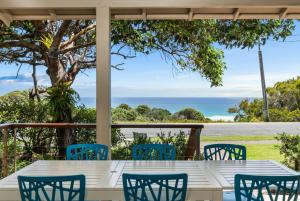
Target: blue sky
[{"x": 151, "y": 76}]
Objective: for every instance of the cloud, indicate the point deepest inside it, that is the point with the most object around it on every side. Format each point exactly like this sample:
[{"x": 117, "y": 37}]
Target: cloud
[
  {"x": 231, "y": 91},
  {"x": 25, "y": 78}
]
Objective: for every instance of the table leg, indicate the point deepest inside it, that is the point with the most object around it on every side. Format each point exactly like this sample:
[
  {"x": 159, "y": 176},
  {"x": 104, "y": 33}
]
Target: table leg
[{"x": 218, "y": 196}]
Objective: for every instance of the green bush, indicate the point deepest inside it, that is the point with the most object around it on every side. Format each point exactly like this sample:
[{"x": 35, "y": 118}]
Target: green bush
[
  {"x": 159, "y": 114},
  {"x": 290, "y": 149},
  {"x": 124, "y": 106},
  {"x": 123, "y": 151},
  {"x": 143, "y": 110},
  {"x": 121, "y": 114},
  {"x": 283, "y": 98},
  {"x": 189, "y": 114}
]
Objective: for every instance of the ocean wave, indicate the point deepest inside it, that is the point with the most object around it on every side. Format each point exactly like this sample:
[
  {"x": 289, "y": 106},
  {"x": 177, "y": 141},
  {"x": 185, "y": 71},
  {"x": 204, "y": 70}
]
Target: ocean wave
[{"x": 220, "y": 117}]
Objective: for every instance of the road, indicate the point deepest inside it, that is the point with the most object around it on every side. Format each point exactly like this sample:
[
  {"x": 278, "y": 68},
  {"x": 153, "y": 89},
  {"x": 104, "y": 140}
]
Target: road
[{"x": 225, "y": 129}]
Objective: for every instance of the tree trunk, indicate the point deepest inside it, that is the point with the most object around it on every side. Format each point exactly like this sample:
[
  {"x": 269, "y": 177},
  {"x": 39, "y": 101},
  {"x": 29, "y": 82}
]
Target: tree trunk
[{"x": 65, "y": 137}]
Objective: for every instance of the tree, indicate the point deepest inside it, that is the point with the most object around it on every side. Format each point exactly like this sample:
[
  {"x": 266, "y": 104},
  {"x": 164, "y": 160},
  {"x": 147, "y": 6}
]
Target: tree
[
  {"x": 62, "y": 100},
  {"x": 143, "y": 110},
  {"x": 189, "y": 114},
  {"x": 67, "y": 47},
  {"x": 247, "y": 34},
  {"x": 121, "y": 114},
  {"x": 159, "y": 114},
  {"x": 124, "y": 106},
  {"x": 284, "y": 102}
]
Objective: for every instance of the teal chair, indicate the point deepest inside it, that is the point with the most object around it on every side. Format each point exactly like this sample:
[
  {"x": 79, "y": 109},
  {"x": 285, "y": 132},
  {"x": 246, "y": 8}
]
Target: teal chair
[
  {"x": 52, "y": 188},
  {"x": 261, "y": 188},
  {"x": 161, "y": 187},
  {"x": 153, "y": 152},
  {"x": 87, "y": 152},
  {"x": 224, "y": 152}
]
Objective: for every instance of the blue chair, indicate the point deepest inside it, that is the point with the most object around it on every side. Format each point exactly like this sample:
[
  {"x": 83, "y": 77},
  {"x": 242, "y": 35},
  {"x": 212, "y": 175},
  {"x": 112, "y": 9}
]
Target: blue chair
[
  {"x": 87, "y": 152},
  {"x": 224, "y": 152},
  {"x": 164, "y": 187},
  {"x": 260, "y": 188},
  {"x": 153, "y": 152},
  {"x": 63, "y": 188}
]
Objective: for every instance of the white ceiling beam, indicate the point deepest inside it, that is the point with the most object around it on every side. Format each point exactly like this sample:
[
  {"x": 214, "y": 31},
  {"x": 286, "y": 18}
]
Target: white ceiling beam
[
  {"x": 53, "y": 15},
  {"x": 58, "y": 17},
  {"x": 144, "y": 14},
  {"x": 283, "y": 13},
  {"x": 6, "y": 17},
  {"x": 258, "y": 16},
  {"x": 191, "y": 14},
  {"x": 236, "y": 14}
]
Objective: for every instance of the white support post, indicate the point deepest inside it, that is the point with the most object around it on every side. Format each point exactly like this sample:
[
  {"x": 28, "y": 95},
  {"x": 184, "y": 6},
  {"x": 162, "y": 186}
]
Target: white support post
[
  {"x": 103, "y": 80},
  {"x": 5, "y": 17}
]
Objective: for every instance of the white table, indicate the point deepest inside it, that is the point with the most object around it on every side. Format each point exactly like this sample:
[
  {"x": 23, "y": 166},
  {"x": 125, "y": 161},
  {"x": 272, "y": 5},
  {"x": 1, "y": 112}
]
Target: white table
[{"x": 207, "y": 179}]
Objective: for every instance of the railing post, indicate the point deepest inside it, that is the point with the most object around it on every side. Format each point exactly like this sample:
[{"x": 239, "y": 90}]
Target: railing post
[
  {"x": 15, "y": 149},
  {"x": 5, "y": 152},
  {"x": 198, "y": 135}
]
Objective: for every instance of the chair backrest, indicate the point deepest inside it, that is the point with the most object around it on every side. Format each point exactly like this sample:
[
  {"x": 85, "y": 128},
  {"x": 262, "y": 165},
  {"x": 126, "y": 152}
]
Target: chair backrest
[
  {"x": 153, "y": 152},
  {"x": 225, "y": 152},
  {"x": 165, "y": 187},
  {"x": 263, "y": 188},
  {"x": 52, "y": 188},
  {"x": 87, "y": 152}
]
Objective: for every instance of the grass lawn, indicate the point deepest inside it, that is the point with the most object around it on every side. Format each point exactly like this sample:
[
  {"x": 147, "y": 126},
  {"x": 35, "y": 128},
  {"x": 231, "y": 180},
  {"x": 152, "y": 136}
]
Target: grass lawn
[
  {"x": 254, "y": 151},
  {"x": 263, "y": 152},
  {"x": 237, "y": 138}
]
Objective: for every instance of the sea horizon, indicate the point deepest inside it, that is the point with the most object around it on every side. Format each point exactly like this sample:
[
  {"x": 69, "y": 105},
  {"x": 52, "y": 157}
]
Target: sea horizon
[{"x": 215, "y": 108}]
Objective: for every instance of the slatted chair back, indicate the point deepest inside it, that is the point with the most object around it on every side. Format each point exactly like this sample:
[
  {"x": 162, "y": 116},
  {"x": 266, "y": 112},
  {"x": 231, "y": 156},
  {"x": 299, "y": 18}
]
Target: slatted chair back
[
  {"x": 87, "y": 152},
  {"x": 171, "y": 187},
  {"x": 153, "y": 152},
  {"x": 225, "y": 152},
  {"x": 52, "y": 188},
  {"x": 265, "y": 188}
]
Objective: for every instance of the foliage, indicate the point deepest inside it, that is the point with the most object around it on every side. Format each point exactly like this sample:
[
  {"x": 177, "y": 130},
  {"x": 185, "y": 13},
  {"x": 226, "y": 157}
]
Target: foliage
[
  {"x": 122, "y": 151},
  {"x": 61, "y": 98},
  {"x": 67, "y": 47},
  {"x": 178, "y": 140},
  {"x": 284, "y": 104},
  {"x": 124, "y": 106},
  {"x": 143, "y": 110},
  {"x": 144, "y": 113},
  {"x": 248, "y": 33},
  {"x": 285, "y": 95},
  {"x": 122, "y": 114},
  {"x": 189, "y": 114},
  {"x": 159, "y": 114},
  {"x": 290, "y": 149}
]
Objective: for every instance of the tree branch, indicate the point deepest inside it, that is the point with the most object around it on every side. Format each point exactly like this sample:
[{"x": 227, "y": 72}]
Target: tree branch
[
  {"x": 77, "y": 47},
  {"x": 57, "y": 39},
  {"x": 82, "y": 32},
  {"x": 23, "y": 44}
]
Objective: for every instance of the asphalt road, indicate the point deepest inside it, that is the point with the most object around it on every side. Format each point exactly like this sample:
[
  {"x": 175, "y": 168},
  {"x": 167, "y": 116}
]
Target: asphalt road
[{"x": 225, "y": 129}]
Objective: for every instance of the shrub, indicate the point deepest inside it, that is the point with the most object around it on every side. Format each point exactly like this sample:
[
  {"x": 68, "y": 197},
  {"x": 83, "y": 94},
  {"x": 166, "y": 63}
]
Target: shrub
[
  {"x": 189, "y": 114},
  {"x": 124, "y": 106},
  {"x": 158, "y": 114},
  {"x": 120, "y": 114},
  {"x": 290, "y": 149},
  {"x": 143, "y": 110}
]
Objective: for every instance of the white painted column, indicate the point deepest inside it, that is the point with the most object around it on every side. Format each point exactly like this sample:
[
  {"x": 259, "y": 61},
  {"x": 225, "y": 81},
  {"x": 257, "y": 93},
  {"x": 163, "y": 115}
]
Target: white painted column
[{"x": 103, "y": 78}]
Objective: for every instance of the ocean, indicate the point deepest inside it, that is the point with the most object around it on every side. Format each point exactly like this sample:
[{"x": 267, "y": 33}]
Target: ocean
[{"x": 214, "y": 108}]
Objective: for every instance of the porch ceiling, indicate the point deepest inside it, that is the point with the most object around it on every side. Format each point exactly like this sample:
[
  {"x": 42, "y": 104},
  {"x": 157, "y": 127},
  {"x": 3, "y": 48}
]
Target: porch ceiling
[
  {"x": 150, "y": 9},
  {"x": 155, "y": 13}
]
